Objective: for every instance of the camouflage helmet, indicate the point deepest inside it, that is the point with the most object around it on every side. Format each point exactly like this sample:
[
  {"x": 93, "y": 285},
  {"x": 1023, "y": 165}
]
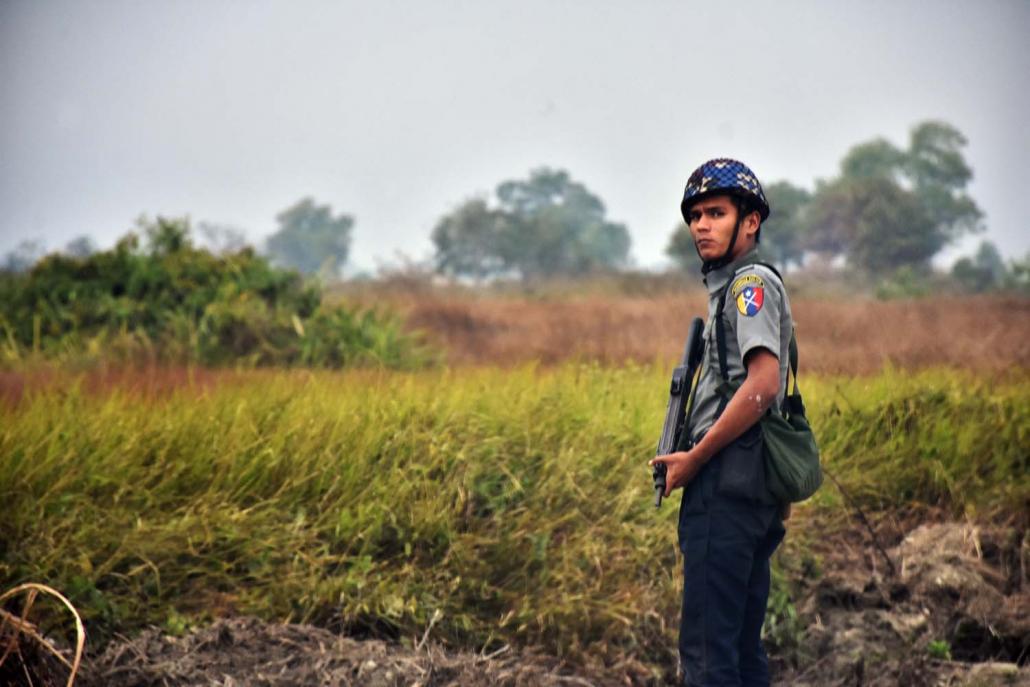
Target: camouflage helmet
[{"x": 724, "y": 176}]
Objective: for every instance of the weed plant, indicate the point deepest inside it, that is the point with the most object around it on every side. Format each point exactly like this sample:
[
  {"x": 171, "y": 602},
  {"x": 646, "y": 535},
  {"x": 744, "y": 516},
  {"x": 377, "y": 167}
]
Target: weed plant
[{"x": 515, "y": 504}]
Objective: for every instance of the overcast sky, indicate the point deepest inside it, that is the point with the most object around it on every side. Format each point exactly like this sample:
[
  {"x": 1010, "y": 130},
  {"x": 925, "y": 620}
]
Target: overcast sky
[{"x": 396, "y": 112}]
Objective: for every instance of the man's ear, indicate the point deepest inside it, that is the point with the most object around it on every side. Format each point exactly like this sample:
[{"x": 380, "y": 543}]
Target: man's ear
[{"x": 752, "y": 221}]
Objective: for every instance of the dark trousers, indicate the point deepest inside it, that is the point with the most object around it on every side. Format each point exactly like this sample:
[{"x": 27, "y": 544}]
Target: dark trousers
[{"x": 726, "y": 544}]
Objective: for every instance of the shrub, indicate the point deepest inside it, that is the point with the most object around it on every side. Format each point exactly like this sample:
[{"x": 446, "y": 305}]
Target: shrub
[{"x": 175, "y": 302}]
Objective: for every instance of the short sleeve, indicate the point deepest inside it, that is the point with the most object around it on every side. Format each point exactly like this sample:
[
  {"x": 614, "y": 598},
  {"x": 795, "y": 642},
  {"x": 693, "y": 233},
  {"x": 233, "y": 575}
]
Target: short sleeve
[{"x": 757, "y": 302}]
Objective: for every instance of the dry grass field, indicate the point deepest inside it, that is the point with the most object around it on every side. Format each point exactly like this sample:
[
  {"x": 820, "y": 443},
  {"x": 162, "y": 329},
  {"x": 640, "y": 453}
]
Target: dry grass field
[
  {"x": 837, "y": 336},
  {"x": 983, "y": 334}
]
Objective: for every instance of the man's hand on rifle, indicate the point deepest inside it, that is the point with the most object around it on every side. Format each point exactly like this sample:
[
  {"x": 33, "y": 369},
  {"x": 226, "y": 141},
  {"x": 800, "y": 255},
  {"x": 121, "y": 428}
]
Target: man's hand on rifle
[
  {"x": 752, "y": 399},
  {"x": 682, "y": 466}
]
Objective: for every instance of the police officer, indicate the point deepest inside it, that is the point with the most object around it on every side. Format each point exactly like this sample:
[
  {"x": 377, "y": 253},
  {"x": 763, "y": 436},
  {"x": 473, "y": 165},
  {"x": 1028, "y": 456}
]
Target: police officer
[{"x": 729, "y": 524}]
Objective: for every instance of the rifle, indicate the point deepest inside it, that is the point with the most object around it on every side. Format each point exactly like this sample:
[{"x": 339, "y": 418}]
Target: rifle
[{"x": 675, "y": 412}]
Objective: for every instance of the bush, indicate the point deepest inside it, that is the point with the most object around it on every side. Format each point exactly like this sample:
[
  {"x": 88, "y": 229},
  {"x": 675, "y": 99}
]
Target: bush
[{"x": 178, "y": 303}]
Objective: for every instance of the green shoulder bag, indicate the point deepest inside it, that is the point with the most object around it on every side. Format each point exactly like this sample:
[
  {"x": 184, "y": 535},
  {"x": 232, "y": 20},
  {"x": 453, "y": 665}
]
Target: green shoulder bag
[
  {"x": 792, "y": 470},
  {"x": 791, "y": 456}
]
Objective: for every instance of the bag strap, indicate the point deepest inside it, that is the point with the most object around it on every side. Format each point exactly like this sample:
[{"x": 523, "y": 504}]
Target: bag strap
[
  {"x": 792, "y": 356},
  {"x": 720, "y": 334}
]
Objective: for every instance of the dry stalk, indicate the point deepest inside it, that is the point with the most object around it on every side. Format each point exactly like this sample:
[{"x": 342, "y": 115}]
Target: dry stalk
[
  {"x": 23, "y": 627},
  {"x": 437, "y": 615},
  {"x": 865, "y": 521}
]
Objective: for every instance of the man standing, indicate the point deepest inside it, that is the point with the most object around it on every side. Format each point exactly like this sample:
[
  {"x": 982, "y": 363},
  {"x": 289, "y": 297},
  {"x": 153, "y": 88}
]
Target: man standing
[{"x": 729, "y": 523}]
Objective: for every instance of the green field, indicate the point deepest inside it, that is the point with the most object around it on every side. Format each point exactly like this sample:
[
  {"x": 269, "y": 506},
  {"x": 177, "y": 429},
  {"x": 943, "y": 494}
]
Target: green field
[{"x": 515, "y": 506}]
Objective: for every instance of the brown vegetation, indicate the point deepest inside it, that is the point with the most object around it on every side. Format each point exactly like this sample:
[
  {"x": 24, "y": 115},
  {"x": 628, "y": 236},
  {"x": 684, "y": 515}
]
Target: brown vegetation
[
  {"x": 989, "y": 333},
  {"x": 143, "y": 382}
]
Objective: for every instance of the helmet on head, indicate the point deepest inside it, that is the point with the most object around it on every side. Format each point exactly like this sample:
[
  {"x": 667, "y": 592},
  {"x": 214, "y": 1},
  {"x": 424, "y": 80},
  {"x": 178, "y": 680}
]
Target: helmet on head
[{"x": 724, "y": 176}]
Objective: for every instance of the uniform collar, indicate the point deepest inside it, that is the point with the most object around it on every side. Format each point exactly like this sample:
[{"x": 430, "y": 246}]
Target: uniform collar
[{"x": 717, "y": 278}]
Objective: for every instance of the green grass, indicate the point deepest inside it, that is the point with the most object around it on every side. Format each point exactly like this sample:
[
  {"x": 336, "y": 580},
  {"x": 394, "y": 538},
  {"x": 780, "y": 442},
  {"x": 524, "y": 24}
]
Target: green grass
[
  {"x": 940, "y": 438},
  {"x": 515, "y": 503}
]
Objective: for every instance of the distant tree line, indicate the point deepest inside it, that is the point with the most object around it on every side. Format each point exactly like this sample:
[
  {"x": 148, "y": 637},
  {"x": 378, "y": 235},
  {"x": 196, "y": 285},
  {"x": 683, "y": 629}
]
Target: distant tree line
[
  {"x": 886, "y": 214},
  {"x": 545, "y": 225},
  {"x": 310, "y": 239}
]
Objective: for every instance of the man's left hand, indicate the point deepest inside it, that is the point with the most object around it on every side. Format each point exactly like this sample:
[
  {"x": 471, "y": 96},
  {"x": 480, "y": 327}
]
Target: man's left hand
[{"x": 682, "y": 466}]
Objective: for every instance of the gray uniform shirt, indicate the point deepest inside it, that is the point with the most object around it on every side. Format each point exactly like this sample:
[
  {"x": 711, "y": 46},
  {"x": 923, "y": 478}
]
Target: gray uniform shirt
[{"x": 756, "y": 315}]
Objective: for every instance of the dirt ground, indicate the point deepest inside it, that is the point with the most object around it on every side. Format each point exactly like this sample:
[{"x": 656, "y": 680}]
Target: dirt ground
[{"x": 938, "y": 604}]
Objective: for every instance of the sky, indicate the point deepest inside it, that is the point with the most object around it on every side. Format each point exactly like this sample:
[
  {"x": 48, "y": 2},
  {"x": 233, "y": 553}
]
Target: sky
[{"x": 397, "y": 112}]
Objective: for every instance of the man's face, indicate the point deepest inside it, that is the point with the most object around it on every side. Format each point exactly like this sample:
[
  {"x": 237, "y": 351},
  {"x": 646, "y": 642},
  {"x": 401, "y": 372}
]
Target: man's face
[{"x": 711, "y": 226}]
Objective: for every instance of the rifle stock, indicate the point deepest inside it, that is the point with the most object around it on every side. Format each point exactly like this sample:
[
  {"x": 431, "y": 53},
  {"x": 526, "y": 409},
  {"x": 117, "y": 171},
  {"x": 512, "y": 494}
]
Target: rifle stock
[{"x": 675, "y": 411}]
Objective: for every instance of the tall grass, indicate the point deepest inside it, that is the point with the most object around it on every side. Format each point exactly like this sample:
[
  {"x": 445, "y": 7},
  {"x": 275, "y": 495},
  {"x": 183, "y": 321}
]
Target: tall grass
[
  {"x": 941, "y": 438},
  {"x": 514, "y": 503}
]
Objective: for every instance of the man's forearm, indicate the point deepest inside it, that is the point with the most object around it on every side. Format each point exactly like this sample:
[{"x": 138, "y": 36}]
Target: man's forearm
[
  {"x": 748, "y": 404},
  {"x": 752, "y": 399}
]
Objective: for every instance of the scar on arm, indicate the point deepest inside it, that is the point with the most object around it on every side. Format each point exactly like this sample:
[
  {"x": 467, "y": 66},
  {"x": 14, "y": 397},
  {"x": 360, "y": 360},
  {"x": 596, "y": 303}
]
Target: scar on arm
[{"x": 760, "y": 403}]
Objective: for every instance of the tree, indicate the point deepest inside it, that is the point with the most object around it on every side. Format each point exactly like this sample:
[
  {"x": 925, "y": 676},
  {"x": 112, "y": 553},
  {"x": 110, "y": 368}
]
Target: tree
[
  {"x": 782, "y": 235},
  {"x": 554, "y": 225},
  {"x": 989, "y": 259},
  {"x": 939, "y": 174},
  {"x": 310, "y": 239},
  {"x": 851, "y": 214},
  {"x": 891, "y": 229},
  {"x": 1018, "y": 277},
  {"x": 932, "y": 167},
  {"x": 543, "y": 226},
  {"x": 23, "y": 257},
  {"x": 80, "y": 247},
  {"x": 682, "y": 250},
  {"x": 878, "y": 224},
  {"x": 223, "y": 239},
  {"x": 874, "y": 159},
  {"x": 166, "y": 235},
  {"x": 985, "y": 271},
  {"x": 467, "y": 239},
  {"x": 831, "y": 218}
]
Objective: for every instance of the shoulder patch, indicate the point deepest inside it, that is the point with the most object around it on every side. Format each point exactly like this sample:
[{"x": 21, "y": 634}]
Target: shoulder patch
[{"x": 749, "y": 293}]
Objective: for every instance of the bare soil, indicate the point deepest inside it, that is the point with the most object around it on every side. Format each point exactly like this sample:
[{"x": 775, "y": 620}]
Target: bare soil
[
  {"x": 246, "y": 651},
  {"x": 940, "y": 604},
  {"x": 934, "y": 604}
]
